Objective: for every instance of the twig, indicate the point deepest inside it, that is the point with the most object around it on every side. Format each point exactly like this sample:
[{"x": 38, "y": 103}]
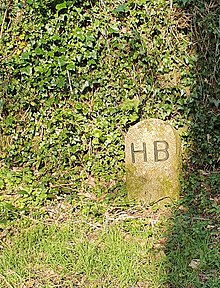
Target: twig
[
  {"x": 3, "y": 22},
  {"x": 90, "y": 146},
  {"x": 171, "y": 4},
  {"x": 201, "y": 218},
  {"x": 61, "y": 185},
  {"x": 123, "y": 217},
  {"x": 95, "y": 226},
  {"x": 163, "y": 198},
  {"x": 69, "y": 79}
]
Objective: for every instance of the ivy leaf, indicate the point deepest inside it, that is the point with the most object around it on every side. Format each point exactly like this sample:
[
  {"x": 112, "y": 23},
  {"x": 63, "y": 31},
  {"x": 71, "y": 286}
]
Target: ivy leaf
[
  {"x": 25, "y": 56},
  {"x": 71, "y": 66},
  {"x": 61, "y": 6},
  {"x": 60, "y": 82},
  {"x": 39, "y": 51},
  {"x": 26, "y": 70},
  {"x": 85, "y": 85},
  {"x": 120, "y": 9},
  {"x": 214, "y": 101},
  {"x": 2, "y": 184},
  {"x": 113, "y": 29},
  {"x": 61, "y": 61},
  {"x": 97, "y": 133}
]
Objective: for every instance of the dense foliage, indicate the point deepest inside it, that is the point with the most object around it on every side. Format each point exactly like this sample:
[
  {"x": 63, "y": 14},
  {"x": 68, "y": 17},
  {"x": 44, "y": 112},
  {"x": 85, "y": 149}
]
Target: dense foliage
[{"x": 76, "y": 74}]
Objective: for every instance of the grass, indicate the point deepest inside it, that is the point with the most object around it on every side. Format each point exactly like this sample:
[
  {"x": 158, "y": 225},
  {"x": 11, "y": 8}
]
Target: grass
[
  {"x": 110, "y": 246},
  {"x": 115, "y": 252},
  {"x": 193, "y": 254}
]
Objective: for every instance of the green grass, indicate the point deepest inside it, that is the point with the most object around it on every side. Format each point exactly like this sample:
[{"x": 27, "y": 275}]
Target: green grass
[
  {"x": 193, "y": 254},
  {"x": 110, "y": 246},
  {"x": 111, "y": 253}
]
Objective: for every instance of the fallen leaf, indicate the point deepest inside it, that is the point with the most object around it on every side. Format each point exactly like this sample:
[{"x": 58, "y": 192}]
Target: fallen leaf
[{"x": 194, "y": 264}]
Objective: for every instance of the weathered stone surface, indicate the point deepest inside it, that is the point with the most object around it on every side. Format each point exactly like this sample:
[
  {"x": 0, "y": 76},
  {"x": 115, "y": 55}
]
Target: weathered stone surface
[{"x": 152, "y": 161}]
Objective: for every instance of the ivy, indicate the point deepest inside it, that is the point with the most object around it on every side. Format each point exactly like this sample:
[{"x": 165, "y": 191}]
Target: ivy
[{"x": 76, "y": 74}]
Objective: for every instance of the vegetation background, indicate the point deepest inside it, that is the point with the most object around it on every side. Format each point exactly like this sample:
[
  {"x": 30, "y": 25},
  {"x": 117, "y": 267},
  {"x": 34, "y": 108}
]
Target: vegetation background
[{"x": 75, "y": 75}]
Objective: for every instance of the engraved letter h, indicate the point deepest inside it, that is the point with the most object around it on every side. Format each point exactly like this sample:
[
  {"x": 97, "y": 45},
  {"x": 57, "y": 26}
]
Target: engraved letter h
[{"x": 144, "y": 151}]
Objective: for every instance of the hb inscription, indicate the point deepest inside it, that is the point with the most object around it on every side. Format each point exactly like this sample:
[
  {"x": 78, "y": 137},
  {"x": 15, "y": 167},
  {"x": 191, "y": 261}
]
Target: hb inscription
[{"x": 164, "y": 153}]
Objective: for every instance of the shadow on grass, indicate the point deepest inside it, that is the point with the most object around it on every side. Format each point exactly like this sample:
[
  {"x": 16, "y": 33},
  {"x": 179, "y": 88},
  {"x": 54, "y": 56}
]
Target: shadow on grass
[{"x": 192, "y": 247}]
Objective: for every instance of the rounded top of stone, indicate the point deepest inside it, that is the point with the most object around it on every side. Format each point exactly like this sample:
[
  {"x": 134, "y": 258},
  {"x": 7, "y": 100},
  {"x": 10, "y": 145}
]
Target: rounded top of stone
[{"x": 150, "y": 124}]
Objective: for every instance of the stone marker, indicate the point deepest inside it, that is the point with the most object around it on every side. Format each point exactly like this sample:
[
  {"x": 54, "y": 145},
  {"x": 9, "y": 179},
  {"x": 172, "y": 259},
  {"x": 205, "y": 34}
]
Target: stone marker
[{"x": 152, "y": 161}]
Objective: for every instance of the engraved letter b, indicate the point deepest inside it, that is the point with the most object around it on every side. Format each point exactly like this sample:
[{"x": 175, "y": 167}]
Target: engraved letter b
[{"x": 162, "y": 151}]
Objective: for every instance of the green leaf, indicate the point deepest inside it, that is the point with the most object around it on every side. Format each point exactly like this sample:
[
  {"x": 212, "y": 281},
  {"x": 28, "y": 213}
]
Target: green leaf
[
  {"x": 214, "y": 101},
  {"x": 85, "y": 85},
  {"x": 79, "y": 34},
  {"x": 130, "y": 104},
  {"x": 71, "y": 66},
  {"x": 97, "y": 133},
  {"x": 113, "y": 29},
  {"x": 25, "y": 56},
  {"x": 120, "y": 9},
  {"x": 23, "y": 192},
  {"x": 62, "y": 61},
  {"x": 61, "y": 6},
  {"x": 78, "y": 106},
  {"x": 60, "y": 82},
  {"x": 1, "y": 184},
  {"x": 39, "y": 51},
  {"x": 26, "y": 70}
]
